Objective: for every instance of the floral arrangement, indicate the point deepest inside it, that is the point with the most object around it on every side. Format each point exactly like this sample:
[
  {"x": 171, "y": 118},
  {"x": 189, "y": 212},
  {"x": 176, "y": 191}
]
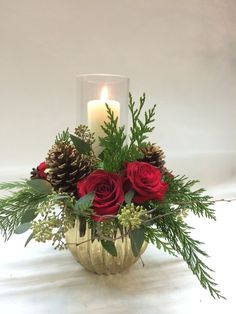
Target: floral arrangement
[{"x": 126, "y": 188}]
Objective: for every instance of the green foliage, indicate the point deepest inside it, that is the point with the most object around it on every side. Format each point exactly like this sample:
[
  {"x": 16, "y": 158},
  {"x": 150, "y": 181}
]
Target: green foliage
[
  {"x": 109, "y": 246},
  {"x": 81, "y": 146},
  {"x": 63, "y": 137},
  {"x": 83, "y": 206},
  {"x": 54, "y": 220},
  {"x": 14, "y": 206},
  {"x": 177, "y": 233},
  {"x": 12, "y": 185},
  {"x": 29, "y": 239},
  {"x": 116, "y": 150},
  {"x": 137, "y": 237},
  {"x": 28, "y": 200},
  {"x": 129, "y": 196},
  {"x": 181, "y": 194},
  {"x": 29, "y": 215},
  {"x": 168, "y": 231},
  {"x": 155, "y": 236},
  {"x": 139, "y": 129},
  {"x": 40, "y": 186},
  {"x": 23, "y": 228}
]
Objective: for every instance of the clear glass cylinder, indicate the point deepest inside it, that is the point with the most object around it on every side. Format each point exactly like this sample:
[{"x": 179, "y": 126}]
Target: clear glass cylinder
[{"x": 94, "y": 92}]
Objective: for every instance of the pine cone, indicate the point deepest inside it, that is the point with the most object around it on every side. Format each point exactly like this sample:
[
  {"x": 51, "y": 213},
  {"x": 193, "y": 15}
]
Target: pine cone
[
  {"x": 154, "y": 155},
  {"x": 66, "y": 166}
]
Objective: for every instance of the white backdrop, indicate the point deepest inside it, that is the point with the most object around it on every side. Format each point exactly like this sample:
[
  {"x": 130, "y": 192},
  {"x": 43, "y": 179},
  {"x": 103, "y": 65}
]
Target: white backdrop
[{"x": 182, "y": 53}]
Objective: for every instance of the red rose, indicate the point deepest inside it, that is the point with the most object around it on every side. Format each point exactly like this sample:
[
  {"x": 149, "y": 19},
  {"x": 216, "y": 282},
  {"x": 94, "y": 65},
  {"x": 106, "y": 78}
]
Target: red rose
[
  {"x": 41, "y": 170},
  {"x": 109, "y": 194},
  {"x": 145, "y": 180}
]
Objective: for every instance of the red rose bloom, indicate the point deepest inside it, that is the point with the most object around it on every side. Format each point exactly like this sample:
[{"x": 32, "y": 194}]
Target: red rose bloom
[
  {"x": 41, "y": 168},
  {"x": 109, "y": 194},
  {"x": 145, "y": 180}
]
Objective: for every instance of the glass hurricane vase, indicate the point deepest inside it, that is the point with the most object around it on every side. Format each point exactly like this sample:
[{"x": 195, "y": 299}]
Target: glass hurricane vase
[{"x": 93, "y": 257}]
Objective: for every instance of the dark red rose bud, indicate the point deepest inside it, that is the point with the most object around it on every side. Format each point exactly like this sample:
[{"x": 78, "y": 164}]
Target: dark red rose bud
[
  {"x": 109, "y": 194},
  {"x": 145, "y": 180},
  {"x": 41, "y": 170}
]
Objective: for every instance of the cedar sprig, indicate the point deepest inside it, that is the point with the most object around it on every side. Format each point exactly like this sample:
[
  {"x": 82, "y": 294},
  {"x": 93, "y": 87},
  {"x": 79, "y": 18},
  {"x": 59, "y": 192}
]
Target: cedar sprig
[
  {"x": 63, "y": 137},
  {"x": 12, "y": 185},
  {"x": 14, "y": 206},
  {"x": 181, "y": 194},
  {"x": 177, "y": 233},
  {"x": 115, "y": 151},
  {"x": 155, "y": 236},
  {"x": 139, "y": 129}
]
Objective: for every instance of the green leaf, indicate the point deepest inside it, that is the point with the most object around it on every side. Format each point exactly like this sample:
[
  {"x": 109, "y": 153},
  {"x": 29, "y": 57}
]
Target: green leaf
[
  {"x": 129, "y": 196},
  {"x": 81, "y": 146},
  {"x": 40, "y": 186},
  {"x": 109, "y": 246},
  {"x": 29, "y": 239},
  {"x": 85, "y": 201},
  {"x": 23, "y": 228},
  {"x": 137, "y": 239},
  {"x": 28, "y": 216}
]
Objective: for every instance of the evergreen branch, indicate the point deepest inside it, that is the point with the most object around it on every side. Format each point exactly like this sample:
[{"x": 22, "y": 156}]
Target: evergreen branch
[
  {"x": 64, "y": 137},
  {"x": 12, "y": 185},
  {"x": 177, "y": 233},
  {"x": 139, "y": 129},
  {"x": 155, "y": 236},
  {"x": 115, "y": 151},
  {"x": 14, "y": 206},
  {"x": 180, "y": 193}
]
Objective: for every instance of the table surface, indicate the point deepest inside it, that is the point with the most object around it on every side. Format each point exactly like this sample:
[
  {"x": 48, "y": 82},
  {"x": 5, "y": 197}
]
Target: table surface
[{"x": 38, "y": 279}]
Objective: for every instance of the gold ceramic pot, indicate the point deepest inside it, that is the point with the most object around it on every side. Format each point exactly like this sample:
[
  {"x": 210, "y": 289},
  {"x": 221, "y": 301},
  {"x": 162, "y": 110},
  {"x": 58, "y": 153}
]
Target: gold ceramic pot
[{"x": 93, "y": 257}]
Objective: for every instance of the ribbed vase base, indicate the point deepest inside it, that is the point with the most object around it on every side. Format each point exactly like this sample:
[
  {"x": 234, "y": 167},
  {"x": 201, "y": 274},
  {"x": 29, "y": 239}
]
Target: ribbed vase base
[{"x": 93, "y": 257}]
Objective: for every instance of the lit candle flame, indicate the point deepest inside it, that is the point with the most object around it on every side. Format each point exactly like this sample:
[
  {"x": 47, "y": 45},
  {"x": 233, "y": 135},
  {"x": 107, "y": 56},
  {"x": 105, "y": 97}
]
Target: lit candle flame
[{"x": 104, "y": 94}]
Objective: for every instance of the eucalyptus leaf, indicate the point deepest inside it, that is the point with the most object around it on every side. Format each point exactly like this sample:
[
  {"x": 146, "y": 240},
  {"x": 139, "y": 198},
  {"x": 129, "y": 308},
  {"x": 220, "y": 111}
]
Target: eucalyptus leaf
[
  {"x": 81, "y": 146},
  {"x": 109, "y": 246},
  {"x": 137, "y": 239},
  {"x": 129, "y": 196},
  {"x": 85, "y": 201},
  {"x": 23, "y": 228},
  {"x": 40, "y": 186},
  {"x": 28, "y": 216},
  {"x": 29, "y": 239}
]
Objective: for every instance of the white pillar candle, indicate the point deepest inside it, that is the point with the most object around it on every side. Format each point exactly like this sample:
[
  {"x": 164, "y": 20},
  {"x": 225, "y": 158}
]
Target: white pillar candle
[{"x": 97, "y": 114}]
